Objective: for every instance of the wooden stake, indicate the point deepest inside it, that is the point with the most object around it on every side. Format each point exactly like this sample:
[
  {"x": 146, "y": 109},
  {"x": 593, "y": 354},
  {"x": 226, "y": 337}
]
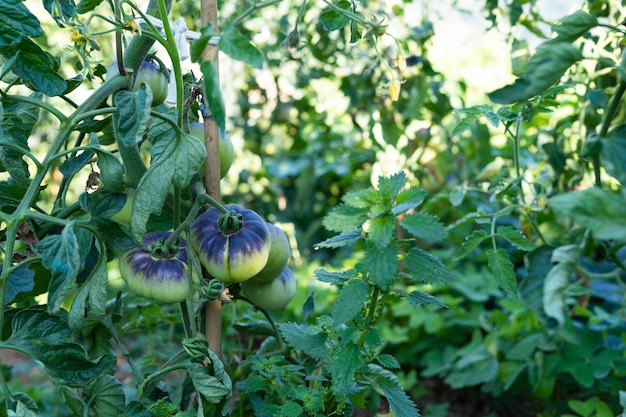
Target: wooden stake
[{"x": 213, "y": 309}]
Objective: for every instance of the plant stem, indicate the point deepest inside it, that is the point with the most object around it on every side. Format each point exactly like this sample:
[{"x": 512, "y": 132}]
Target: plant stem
[{"x": 609, "y": 114}]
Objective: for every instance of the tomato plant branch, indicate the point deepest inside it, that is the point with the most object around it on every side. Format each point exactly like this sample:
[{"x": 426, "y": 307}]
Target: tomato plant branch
[
  {"x": 36, "y": 102},
  {"x": 254, "y": 7}
]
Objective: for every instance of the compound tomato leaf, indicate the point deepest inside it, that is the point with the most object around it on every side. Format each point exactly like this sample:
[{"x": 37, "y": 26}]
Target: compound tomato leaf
[
  {"x": 48, "y": 339},
  {"x": 60, "y": 254},
  {"x": 213, "y": 93},
  {"x": 503, "y": 271}
]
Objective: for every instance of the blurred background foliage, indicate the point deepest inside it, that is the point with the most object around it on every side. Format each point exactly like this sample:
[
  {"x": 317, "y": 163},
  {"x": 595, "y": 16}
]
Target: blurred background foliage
[{"x": 318, "y": 121}]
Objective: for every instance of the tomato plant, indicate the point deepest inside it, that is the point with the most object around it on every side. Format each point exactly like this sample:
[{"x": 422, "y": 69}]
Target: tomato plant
[
  {"x": 150, "y": 74},
  {"x": 278, "y": 256},
  {"x": 227, "y": 151},
  {"x": 271, "y": 295}
]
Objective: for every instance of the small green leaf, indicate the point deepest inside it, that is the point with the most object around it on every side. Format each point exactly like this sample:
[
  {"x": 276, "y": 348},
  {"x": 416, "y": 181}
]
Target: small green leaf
[
  {"x": 425, "y": 226},
  {"x": 409, "y": 199},
  {"x": 106, "y": 395},
  {"x": 545, "y": 67},
  {"x": 60, "y": 254},
  {"x": 332, "y": 19},
  {"x": 382, "y": 265},
  {"x": 213, "y": 93},
  {"x": 427, "y": 268},
  {"x": 85, "y": 6},
  {"x": 601, "y": 211},
  {"x": 470, "y": 243},
  {"x": 291, "y": 409},
  {"x": 516, "y": 238},
  {"x": 335, "y": 278},
  {"x": 350, "y": 301},
  {"x": 503, "y": 271},
  {"x": 387, "y": 361},
  {"x": 342, "y": 239},
  {"x": 344, "y": 218},
  {"x": 344, "y": 363},
  {"x": 239, "y": 47},
  {"x": 389, "y": 187},
  {"x": 385, "y": 382},
  {"x": 382, "y": 230},
  {"x": 417, "y": 298},
  {"x": 306, "y": 337},
  {"x": 363, "y": 198},
  {"x": 471, "y": 115}
]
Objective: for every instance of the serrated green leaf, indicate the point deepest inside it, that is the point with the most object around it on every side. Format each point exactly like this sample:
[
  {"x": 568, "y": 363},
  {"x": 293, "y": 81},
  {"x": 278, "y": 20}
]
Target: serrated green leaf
[
  {"x": 335, "y": 278},
  {"x": 425, "y": 226},
  {"x": 291, "y": 409},
  {"x": 345, "y": 361},
  {"x": 389, "y": 187},
  {"x": 48, "y": 339},
  {"x": 516, "y": 238},
  {"x": 427, "y": 268},
  {"x": 239, "y": 47},
  {"x": 213, "y": 93},
  {"x": 255, "y": 383},
  {"x": 344, "y": 218},
  {"x": 60, "y": 254},
  {"x": 601, "y": 211},
  {"x": 409, "y": 199},
  {"x": 92, "y": 294},
  {"x": 342, "y": 239},
  {"x": 308, "y": 338},
  {"x": 417, "y": 298},
  {"x": 333, "y": 20},
  {"x": 382, "y": 265},
  {"x": 361, "y": 198},
  {"x": 470, "y": 243},
  {"x": 350, "y": 301},
  {"x": 382, "y": 229},
  {"x": 105, "y": 397},
  {"x": 386, "y": 383},
  {"x": 387, "y": 361},
  {"x": 503, "y": 271}
]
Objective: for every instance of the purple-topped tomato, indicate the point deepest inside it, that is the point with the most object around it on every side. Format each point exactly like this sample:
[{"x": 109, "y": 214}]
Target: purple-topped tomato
[
  {"x": 273, "y": 295},
  {"x": 280, "y": 252},
  {"x": 158, "y": 273},
  {"x": 232, "y": 246}
]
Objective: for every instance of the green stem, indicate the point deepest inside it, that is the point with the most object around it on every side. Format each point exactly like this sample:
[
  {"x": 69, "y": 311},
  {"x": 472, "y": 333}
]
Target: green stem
[
  {"x": 30, "y": 100},
  {"x": 254, "y": 7},
  {"x": 207, "y": 199},
  {"x": 370, "y": 313},
  {"x": 609, "y": 114}
]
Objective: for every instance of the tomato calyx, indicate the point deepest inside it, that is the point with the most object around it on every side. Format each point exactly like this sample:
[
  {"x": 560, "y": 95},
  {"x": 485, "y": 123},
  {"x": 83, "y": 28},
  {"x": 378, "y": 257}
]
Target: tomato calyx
[
  {"x": 230, "y": 222},
  {"x": 160, "y": 249}
]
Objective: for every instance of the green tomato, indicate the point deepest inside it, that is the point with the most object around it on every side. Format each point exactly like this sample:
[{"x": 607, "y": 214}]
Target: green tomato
[
  {"x": 161, "y": 278},
  {"x": 227, "y": 151},
  {"x": 273, "y": 295},
  {"x": 280, "y": 252},
  {"x": 123, "y": 216},
  {"x": 232, "y": 247},
  {"x": 152, "y": 76}
]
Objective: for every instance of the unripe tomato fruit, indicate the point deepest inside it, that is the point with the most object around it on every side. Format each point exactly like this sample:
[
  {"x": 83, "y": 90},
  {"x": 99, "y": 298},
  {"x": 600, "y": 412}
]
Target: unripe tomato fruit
[
  {"x": 150, "y": 74},
  {"x": 227, "y": 151},
  {"x": 273, "y": 295},
  {"x": 234, "y": 255},
  {"x": 161, "y": 279},
  {"x": 280, "y": 252},
  {"x": 123, "y": 216}
]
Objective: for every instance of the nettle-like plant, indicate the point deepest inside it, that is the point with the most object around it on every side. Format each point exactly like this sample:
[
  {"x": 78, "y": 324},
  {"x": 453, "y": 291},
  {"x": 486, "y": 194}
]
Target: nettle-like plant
[
  {"x": 335, "y": 362},
  {"x": 121, "y": 184}
]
